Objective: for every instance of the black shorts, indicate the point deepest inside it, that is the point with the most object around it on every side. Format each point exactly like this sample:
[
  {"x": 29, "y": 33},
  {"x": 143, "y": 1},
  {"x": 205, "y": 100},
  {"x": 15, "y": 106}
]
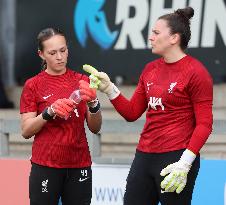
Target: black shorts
[
  {"x": 47, "y": 185},
  {"x": 143, "y": 182}
]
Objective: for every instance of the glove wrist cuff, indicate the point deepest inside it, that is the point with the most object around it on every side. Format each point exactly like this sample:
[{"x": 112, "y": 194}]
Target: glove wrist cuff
[
  {"x": 188, "y": 156},
  {"x": 46, "y": 115},
  {"x": 94, "y": 110},
  {"x": 93, "y": 103},
  {"x": 114, "y": 92}
]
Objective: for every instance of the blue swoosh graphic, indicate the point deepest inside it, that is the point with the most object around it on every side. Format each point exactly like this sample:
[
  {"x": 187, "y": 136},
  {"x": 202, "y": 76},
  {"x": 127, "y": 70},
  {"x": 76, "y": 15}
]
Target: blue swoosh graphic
[{"x": 90, "y": 19}]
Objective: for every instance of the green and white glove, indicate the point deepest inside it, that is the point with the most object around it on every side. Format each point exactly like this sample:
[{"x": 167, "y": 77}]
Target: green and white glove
[
  {"x": 102, "y": 81},
  {"x": 94, "y": 81},
  {"x": 177, "y": 173}
]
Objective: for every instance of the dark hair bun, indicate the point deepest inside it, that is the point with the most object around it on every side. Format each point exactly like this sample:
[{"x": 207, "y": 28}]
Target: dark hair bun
[{"x": 187, "y": 12}]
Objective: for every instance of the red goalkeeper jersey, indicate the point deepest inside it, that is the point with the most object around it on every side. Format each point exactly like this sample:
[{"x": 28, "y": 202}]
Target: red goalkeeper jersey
[
  {"x": 60, "y": 143},
  {"x": 177, "y": 98}
]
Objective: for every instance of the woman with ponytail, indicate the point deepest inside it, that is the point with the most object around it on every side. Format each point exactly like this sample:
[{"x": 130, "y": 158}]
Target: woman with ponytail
[{"x": 61, "y": 161}]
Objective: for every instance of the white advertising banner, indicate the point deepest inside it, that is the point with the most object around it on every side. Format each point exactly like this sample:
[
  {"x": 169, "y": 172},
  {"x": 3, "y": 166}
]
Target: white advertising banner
[{"x": 109, "y": 183}]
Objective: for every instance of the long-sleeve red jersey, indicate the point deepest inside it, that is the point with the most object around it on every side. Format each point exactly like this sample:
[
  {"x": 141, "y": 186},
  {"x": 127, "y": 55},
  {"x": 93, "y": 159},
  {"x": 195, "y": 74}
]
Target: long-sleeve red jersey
[
  {"x": 60, "y": 143},
  {"x": 178, "y": 99}
]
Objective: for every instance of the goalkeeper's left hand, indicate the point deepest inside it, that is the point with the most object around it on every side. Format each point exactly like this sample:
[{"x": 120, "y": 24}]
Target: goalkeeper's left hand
[
  {"x": 177, "y": 173},
  {"x": 87, "y": 93}
]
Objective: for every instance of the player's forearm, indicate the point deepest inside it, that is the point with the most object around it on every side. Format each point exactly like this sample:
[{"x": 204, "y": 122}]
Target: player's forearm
[
  {"x": 31, "y": 126},
  {"x": 94, "y": 121},
  {"x": 199, "y": 138},
  {"x": 132, "y": 109},
  {"x": 204, "y": 121}
]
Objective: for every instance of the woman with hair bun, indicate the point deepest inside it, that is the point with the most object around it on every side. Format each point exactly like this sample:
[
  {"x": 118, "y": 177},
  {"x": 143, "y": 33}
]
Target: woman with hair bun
[{"x": 176, "y": 91}]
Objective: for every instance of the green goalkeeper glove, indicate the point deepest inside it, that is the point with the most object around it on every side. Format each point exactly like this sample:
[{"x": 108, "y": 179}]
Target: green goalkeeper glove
[
  {"x": 177, "y": 173},
  {"x": 94, "y": 81},
  {"x": 102, "y": 81}
]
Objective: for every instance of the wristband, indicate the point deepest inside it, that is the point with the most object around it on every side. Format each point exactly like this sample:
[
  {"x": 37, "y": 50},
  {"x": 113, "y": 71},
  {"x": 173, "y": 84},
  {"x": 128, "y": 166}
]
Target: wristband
[
  {"x": 188, "y": 156},
  {"x": 114, "y": 93},
  {"x": 93, "y": 103},
  {"x": 95, "y": 109},
  {"x": 46, "y": 115}
]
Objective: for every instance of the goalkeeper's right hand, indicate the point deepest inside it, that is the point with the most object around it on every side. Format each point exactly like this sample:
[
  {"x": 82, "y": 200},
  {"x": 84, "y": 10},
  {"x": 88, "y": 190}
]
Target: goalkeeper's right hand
[
  {"x": 104, "y": 85},
  {"x": 62, "y": 108}
]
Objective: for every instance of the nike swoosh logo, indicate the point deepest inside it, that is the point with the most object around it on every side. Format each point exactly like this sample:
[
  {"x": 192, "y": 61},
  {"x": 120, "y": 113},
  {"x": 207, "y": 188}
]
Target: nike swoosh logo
[
  {"x": 45, "y": 97},
  {"x": 163, "y": 191},
  {"x": 83, "y": 179}
]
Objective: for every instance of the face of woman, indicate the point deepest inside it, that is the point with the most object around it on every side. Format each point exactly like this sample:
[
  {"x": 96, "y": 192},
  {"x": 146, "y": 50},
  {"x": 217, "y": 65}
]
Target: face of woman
[
  {"x": 55, "y": 53},
  {"x": 161, "y": 39}
]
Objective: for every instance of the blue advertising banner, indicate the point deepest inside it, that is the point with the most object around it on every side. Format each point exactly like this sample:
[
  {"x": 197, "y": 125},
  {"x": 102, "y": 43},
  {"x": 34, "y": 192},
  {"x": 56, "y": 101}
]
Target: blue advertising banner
[{"x": 210, "y": 188}]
